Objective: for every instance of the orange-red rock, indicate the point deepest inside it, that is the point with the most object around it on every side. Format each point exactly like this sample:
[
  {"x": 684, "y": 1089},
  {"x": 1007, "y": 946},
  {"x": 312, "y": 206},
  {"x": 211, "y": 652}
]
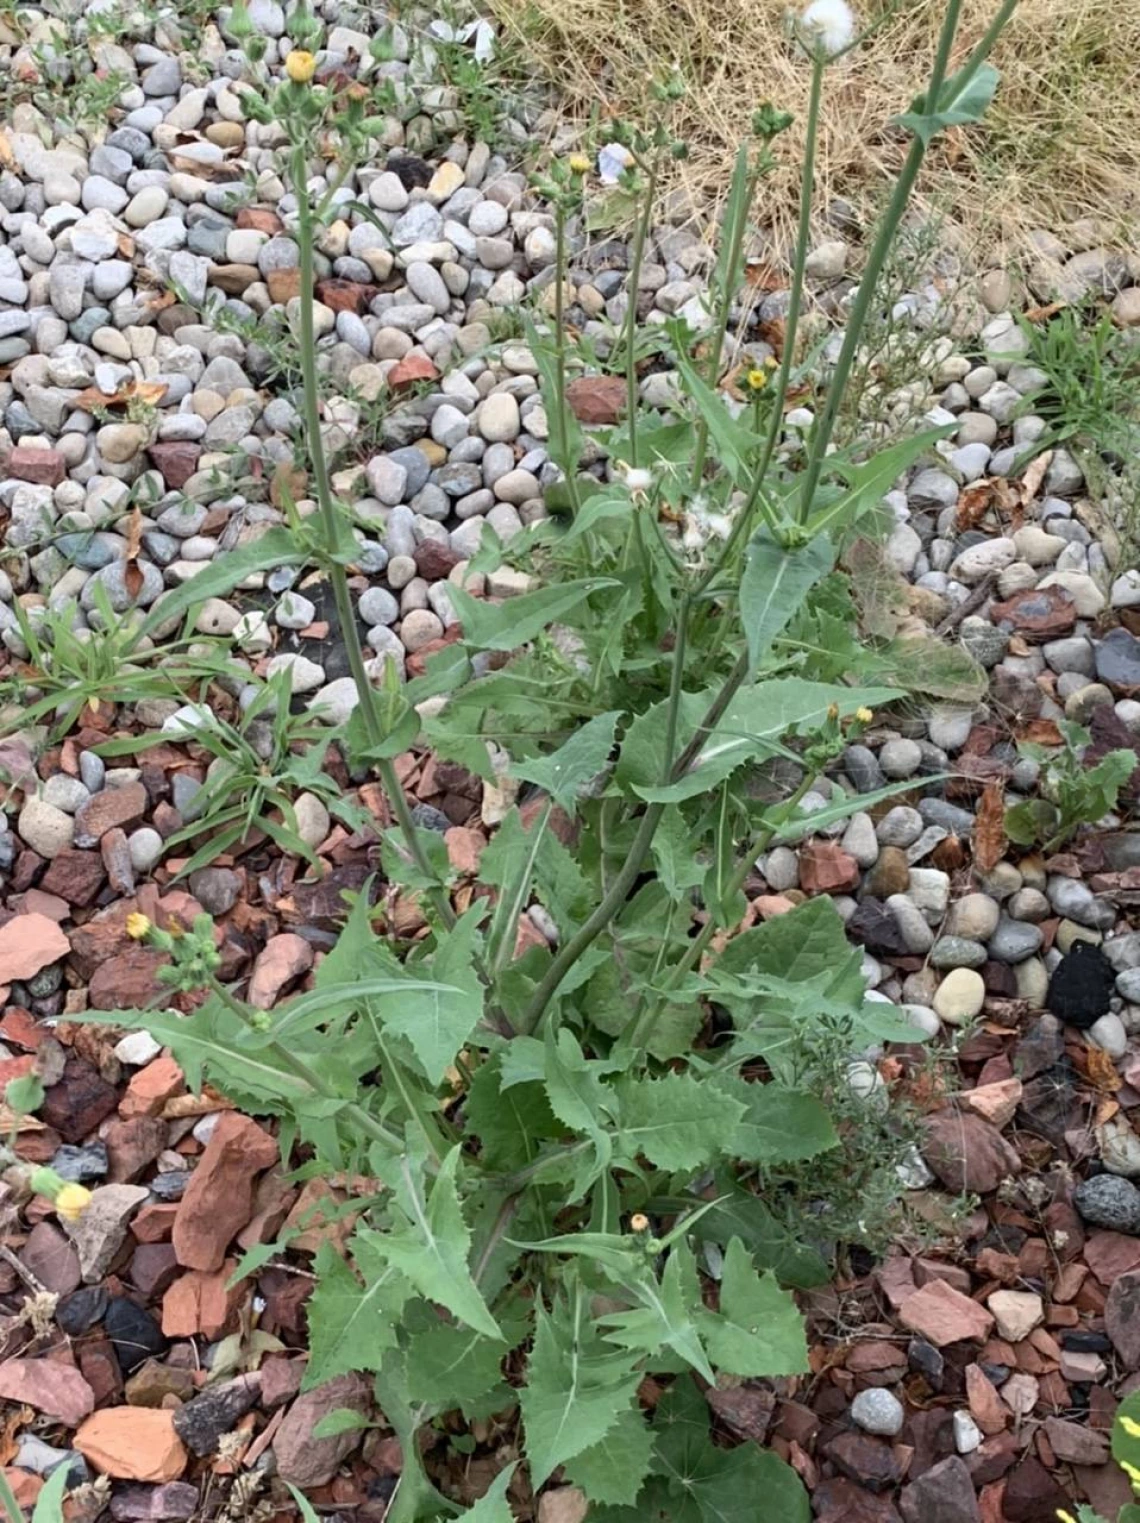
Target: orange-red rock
[
  {"x": 284, "y": 958},
  {"x": 219, "y": 1198},
  {"x": 944, "y": 1315},
  {"x": 151, "y": 1087},
  {"x": 199, "y": 1303},
  {"x": 413, "y": 367},
  {"x": 50, "y": 1386},
  {"x": 597, "y": 399},
  {"x": 825, "y": 868},
  {"x": 29, "y": 943},
  {"x": 986, "y": 1406},
  {"x": 132, "y": 1444},
  {"x": 995, "y": 1103}
]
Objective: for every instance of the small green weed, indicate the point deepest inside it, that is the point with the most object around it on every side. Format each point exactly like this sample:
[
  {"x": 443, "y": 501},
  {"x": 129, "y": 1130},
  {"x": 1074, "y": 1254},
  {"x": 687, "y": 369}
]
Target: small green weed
[
  {"x": 261, "y": 764},
  {"x": 1072, "y": 793},
  {"x": 1091, "y": 398}
]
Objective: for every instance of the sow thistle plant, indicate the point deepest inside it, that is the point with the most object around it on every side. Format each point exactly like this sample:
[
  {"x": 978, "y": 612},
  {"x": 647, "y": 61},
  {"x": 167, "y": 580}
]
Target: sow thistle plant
[{"x": 591, "y": 1161}]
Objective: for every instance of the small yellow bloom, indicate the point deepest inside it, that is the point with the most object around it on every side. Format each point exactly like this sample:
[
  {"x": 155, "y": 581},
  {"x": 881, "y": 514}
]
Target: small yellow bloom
[
  {"x": 300, "y": 66},
  {"x": 138, "y": 926},
  {"x": 757, "y": 379},
  {"x": 833, "y": 712},
  {"x": 864, "y": 716},
  {"x": 71, "y": 1202},
  {"x": 579, "y": 163},
  {"x": 639, "y": 1222}
]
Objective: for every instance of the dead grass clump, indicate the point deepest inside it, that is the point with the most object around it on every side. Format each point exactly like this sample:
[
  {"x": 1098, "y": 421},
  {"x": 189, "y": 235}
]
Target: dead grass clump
[{"x": 1062, "y": 140}]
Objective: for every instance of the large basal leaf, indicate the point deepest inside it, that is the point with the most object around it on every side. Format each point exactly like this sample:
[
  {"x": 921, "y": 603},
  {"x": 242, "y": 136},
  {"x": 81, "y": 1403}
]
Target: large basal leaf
[
  {"x": 576, "y": 1387},
  {"x": 665, "y": 1314},
  {"x": 778, "y": 1125},
  {"x": 737, "y": 1212},
  {"x": 507, "y": 625},
  {"x": 759, "y": 1329},
  {"x": 723, "y": 1485},
  {"x": 774, "y": 585},
  {"x": 808, "y": 942},
  {"x": 352, "y": 1324},
  {"x": 751, "y": 728},
  {"x": 431, "y": 1246},
  {"x": 276, "y": 547},
  {"x": 613, "y": 1470},
  {"x": 677, "y": 1122},
  {"x": 451, "y": 1366},
  {"x": 510, "y": 1124}
]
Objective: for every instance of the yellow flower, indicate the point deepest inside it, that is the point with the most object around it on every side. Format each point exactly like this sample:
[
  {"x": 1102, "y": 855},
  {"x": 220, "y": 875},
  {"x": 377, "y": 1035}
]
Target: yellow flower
[
  {"x": 757, "y": 379},
  {"x": 864, "y": 716},
  {"x": 579, "y": 163},
  {"x": 71, "y": 1202},
  {"x": 300, "y": 66},
  {"x": 1065, "y": 1517},
  {"x": 138, "y": 926},
  {"x": 639, "y": 1222}
]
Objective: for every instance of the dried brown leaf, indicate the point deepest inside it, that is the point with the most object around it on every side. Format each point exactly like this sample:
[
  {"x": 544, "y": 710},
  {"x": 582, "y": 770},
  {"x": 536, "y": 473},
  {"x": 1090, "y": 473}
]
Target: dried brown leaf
[
  {"x": 150, "y": 393},
  {"x": 1041, "y": 732},
  {"x": 1034, "y": 475},
  {"x": 1102, "y": 1075},
  {"x": 1043, "y": 314},
  {"x": 989, "y": 832}
]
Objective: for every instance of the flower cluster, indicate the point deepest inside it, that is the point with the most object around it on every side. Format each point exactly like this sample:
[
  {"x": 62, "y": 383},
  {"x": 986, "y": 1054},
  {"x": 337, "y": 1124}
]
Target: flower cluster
[
  {"x": 70, "y": 1200},
  {"x": 194, "y": 957}
]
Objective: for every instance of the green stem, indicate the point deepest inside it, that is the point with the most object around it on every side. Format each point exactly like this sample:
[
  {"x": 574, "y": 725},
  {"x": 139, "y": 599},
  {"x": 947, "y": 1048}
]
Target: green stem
[
  {"x": 796, "y": 294},
  {"x": 361, "y": 1120},
  {"x": 639, "y": 243},
  {"x": 868, "y": 285},
  {"x": 571, "y": 466},
  {"x": 720, "y": 327},
  {"x": 338, "y": 576}
]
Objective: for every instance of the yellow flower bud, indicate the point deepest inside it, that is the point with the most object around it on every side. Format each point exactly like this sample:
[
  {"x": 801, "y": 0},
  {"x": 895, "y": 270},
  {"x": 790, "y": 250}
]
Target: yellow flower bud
[
  {"x": 864, "y": 716},
  {"x": 757, "y": 379},
  {"x": 72, "y": 1201},
  {"x": 639, "y": 1222},
  {"x": 300, "y": 66},
  {"x": 138, "y": 926},
  {"x": 579, "y": 163}
]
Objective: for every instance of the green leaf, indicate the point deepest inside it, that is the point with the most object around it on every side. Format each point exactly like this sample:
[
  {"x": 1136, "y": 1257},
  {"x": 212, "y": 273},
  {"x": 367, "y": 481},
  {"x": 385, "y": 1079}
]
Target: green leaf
[
  {"x": 565, "y": 772},
  {"x": 613, "y": 1470},
  {"x": 342, "y": 1420},
  {"x": 576, "y": 1387},
  {"x": 778, "y": 1125},
  {"x": 24, "y": 1095},
  {"x": 49, "y": 1503},
  {"x": 578, "y": 1097},
  {"x": 677, "y": 1122},
  {"x": 674, "y": 854},
  {"x": 751, "y": 729},
  {"x": 276, "y": 547},
  {"x": 1031, "y": 821},
  {"x": 452, "y": 1367},
  {"x": 1126, "y": 1443},
  {"x": 351, "y": 1325},
  {"x": 964, "y": 98},
  {"x": 774, "y": 585},
  {"x": 511, "y": 1124},
  {"x": 665, "y": 1312},
  {"x": 868, "y": 482},
  {"x": 507, "y": 625},
  {"x": 492, "y": 1506},
  {"x": 759, "y": 1330},
  {"x": 431, "y": 1248},
  {"x": 437, "y": 1024},
  {"x": 736, "y": 1212},
  {"x": 723, "y": 1485}
]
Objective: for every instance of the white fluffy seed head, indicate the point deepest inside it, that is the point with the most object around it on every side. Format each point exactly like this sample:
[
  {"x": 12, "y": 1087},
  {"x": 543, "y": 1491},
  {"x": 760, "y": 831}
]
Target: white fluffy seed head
[{"x": 828, "y": 24}]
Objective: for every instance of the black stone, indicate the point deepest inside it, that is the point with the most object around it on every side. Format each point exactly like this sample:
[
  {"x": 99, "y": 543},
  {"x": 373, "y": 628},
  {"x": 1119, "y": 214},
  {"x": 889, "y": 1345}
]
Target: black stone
[
  {"x": 1086, "y": 1343},
  {"x": 1081, "y": 986},
  {"x": 412, "y": 172},
  {"x": 874, "y": 927},
  {"x": 927, "y": 1361},
  {"x": 1107, "y": 1200},
  {"x": 202, "y": 1421},
  {"x": 428, "y": 817},
  {"x": 134, "y": 1333},
  {"x": 81, "y": 1310},
  {"x": 80, "y": 1165}
]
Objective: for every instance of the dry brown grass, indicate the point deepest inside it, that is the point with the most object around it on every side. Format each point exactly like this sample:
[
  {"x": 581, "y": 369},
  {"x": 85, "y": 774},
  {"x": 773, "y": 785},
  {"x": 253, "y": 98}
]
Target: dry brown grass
[{"x": 1061, "y": 142}]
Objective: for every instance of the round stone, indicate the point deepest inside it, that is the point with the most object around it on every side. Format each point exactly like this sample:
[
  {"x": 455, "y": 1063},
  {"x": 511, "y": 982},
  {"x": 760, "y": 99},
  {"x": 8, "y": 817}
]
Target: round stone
[
  {"x": 43, "y": 827},
  {"x": 378, "y": 606},
  {"x": 1110, "y": 1201},
  {"x": 420, "y": 628},
  {"x": 145, "y": 846},
  {"x": 294, "y": 612},
  {"x": 498, "y": 419},
  {"x": 975, "y": 917},
  {"x": 1015, "y": 940},
  {"x": 957, "y": 952},
  {"x": 960, "y": 996},
  {"x": 312, "y": 819},
  {"x": 876, "y": 1410},
  {"x": 900, "y": 758},
  {"x": 1109, "y": 1035}
]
